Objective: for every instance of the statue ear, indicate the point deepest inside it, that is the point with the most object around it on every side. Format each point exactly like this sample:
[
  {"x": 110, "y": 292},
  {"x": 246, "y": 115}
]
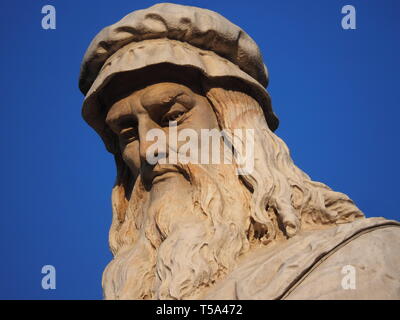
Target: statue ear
[{"x": 122, "y": 189}]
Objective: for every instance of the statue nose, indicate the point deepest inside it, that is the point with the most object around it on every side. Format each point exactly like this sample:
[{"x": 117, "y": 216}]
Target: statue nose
[{"x": 148, "y": 130}]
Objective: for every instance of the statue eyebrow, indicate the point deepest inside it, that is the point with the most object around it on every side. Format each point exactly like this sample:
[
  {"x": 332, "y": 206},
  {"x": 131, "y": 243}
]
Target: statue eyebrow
[
  {"x": 119, "y": 120},
  {"x": 165, "y": 99},
  {"x": 125, "y": 121},
  {"x": 157, "y": 107}
]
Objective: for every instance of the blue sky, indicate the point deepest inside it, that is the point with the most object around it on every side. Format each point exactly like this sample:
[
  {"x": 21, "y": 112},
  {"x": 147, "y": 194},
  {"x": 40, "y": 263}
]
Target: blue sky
[{"x": 335, "y": 91}]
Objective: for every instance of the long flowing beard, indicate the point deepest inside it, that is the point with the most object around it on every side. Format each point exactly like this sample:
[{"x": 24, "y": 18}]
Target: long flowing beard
[
  {"x": 174, "y": 248},
  {"x": 178, "y": 245}
]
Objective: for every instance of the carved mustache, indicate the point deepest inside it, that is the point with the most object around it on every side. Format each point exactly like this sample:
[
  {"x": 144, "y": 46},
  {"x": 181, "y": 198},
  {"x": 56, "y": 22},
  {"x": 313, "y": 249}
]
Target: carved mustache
[{"x": 151, "y": 174}]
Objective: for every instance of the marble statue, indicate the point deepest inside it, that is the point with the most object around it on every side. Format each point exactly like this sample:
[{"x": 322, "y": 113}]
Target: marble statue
[{"x": 211, "y": 230}]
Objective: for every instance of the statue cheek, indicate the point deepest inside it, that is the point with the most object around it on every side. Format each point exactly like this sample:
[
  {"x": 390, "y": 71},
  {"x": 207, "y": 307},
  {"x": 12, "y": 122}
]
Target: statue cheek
[
  {"x": 205, "y": 118},
  {"x": 130, "y": 155}
]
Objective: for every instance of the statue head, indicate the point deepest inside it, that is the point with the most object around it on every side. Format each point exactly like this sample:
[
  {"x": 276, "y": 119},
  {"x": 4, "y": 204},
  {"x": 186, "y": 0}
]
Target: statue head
[{"x": 175, "y": 72}]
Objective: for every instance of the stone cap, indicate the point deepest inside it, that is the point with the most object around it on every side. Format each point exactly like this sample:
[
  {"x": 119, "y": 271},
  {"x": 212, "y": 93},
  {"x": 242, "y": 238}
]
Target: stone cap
[{"x": 199, "y": 27}]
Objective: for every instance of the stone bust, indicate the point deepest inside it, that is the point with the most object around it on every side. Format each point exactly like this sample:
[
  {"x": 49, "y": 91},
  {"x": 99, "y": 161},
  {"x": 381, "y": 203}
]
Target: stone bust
[{"x": 201, "y": 230}]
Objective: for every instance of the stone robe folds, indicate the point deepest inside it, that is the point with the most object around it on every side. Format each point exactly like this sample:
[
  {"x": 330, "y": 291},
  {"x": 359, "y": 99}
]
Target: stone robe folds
[{"x": 310, "y": 265}]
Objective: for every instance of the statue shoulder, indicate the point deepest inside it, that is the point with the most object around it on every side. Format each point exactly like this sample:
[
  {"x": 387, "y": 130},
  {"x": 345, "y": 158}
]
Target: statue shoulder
[
  {"x": 320, "y": 264},
  {"x": 365, "y": 266}
]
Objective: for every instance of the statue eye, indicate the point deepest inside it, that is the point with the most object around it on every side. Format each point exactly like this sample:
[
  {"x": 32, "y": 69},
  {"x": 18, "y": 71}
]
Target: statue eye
[
  {"x": 171, "y": 116},
  {"x": 129, "y": 134}
]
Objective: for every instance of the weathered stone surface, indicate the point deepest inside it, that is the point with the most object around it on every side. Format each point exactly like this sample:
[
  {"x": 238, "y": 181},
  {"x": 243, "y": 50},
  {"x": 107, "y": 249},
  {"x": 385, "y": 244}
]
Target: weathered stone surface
[
  {"x": 309, "y": 265},
  {"x": 199, "y": 230}
]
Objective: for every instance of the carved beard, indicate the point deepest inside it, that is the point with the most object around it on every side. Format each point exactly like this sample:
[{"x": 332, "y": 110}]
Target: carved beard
[{"x": 175, "y": 245}]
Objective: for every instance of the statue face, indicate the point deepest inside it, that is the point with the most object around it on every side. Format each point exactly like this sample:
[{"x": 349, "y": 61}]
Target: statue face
[{"x": 153, "y": 107}]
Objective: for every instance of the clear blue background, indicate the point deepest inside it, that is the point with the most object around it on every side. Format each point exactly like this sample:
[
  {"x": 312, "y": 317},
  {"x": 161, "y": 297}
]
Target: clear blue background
[{"x": 335, "y": 91}]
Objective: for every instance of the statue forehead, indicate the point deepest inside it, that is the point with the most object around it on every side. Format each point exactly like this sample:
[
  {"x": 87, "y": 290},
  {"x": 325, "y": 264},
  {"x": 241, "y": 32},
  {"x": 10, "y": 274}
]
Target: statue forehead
[
  {"x": 158, "y": 93},
  {"x": 161, "y": 80},
  {"x": 163, "y": 92},
  {"x": 155, "y": 95}
]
